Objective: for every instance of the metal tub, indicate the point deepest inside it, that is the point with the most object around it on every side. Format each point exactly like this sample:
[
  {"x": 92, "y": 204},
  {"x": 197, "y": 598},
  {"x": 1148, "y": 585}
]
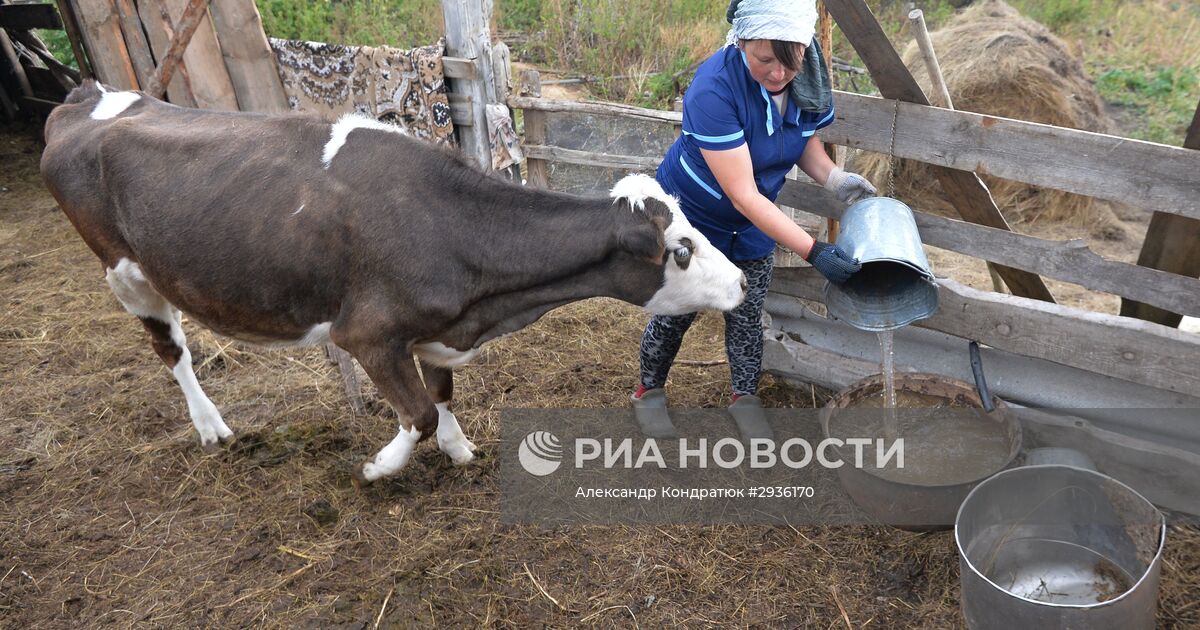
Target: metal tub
[{"x": 1057, "y": 546}]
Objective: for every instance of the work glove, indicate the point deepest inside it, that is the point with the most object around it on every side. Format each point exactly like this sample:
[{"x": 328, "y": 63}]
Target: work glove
[
  {"x": 848, "y": 187},
  {"x": 833, "y": 262}
]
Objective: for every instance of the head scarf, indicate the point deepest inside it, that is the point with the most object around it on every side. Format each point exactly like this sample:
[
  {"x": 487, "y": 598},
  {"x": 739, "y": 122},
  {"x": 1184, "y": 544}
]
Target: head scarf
[
  {"x": 784, "y": 20},
  {"x": 789, "y": 21}
]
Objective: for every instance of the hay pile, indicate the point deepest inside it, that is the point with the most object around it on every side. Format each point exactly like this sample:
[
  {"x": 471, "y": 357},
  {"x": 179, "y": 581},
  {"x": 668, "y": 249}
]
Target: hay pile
[{"x": 997, "y": 62}]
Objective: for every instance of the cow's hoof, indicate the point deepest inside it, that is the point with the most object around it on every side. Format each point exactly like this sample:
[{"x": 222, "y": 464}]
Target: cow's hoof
[
  {"x": 359, "y": 477},
  {"x": 461, "y": 452}
]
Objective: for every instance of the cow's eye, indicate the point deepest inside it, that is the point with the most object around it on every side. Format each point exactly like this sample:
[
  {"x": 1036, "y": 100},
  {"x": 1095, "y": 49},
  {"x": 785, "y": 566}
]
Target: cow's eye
[{"x": 683, "y": 255}]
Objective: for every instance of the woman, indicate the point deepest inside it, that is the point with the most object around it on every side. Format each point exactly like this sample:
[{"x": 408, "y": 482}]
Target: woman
[{"x": 750, "y": 114}]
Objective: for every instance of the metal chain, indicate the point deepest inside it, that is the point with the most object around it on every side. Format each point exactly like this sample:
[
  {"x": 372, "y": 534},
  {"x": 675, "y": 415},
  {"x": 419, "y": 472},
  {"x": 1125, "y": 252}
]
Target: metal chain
[{"x": 892, "y": 152}]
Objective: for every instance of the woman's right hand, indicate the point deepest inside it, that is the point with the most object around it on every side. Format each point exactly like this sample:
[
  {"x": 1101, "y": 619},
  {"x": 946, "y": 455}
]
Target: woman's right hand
[{"x": 833, "y": 262}]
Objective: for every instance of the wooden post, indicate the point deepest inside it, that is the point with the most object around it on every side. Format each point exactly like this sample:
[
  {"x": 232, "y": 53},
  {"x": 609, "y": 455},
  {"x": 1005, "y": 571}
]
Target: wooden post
[
  {"x": 916, "y": 17},
  {"x": 965, "y": 191},
  {"x": 1172, "y": 244},
  {"x": 469, "y": 36},
  {"x": 248, "y": 56},
  {"x": 71, "y": 26},
  {"x": 536, "y": 174}
]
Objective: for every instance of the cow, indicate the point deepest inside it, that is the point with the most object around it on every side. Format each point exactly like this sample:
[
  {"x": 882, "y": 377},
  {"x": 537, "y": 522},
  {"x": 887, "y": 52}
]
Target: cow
[{"x": 290, "y": 230}]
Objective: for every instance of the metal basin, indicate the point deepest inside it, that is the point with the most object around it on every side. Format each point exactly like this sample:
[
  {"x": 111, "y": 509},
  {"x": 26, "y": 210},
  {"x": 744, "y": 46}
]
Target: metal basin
[
  {"x": 928, "y": 495},
  {"x": 1056, "y": 546},
  {"x": 895, "y": 286}
]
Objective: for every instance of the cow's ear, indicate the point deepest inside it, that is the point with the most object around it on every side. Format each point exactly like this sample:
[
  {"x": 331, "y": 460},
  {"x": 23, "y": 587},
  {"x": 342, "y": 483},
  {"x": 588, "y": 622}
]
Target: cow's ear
[{"x": 645, "y": 240}]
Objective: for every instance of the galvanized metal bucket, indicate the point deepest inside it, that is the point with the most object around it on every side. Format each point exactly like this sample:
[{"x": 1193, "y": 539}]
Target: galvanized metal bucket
[
  {"x": 1058, "y": 546},
  {"x": 895, "y": 286}
]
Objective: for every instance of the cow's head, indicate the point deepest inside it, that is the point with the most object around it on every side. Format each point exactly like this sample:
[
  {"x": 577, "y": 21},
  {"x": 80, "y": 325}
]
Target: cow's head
[{"x": 695, "y": 275}]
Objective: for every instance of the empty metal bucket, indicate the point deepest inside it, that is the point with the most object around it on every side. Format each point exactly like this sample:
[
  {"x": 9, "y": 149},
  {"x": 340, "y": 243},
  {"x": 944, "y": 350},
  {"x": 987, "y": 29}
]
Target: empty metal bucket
[
  {"x": 895, "y": 286},
  {"x": 1056, "y": 546}
]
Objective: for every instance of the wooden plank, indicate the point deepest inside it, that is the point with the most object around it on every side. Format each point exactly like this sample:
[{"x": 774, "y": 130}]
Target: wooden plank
[
  {"x": 135, "y": 41},
  {"x": 535, "y": 103},
  {"x": 71, "y": 26},
  {"x": 209, "y": 80},
  {"x": 1128, "y": 349},
  {"x": 1082, "y": 162},
  {"x": 23, "y": 17},
  {"x": 105, "y": 44},
  {"x": 248, "y": 57},
  {"x": 537, "y": 172},
  {"x": 965, "y": 191},
  {"x": 1172, "y": 244},
  {"x": 588, "y": 158},
  {"x": 459, "y": 68},
  {"x": 14, "y": 64},
  {"x": 468, "y": 36},
  {"x": 160, "y": 28},
  {"x": 1070, "y": 261}
]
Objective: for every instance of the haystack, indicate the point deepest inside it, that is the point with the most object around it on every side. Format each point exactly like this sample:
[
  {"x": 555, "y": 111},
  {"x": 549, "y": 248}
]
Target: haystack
[{"x": 997, "y": 62}]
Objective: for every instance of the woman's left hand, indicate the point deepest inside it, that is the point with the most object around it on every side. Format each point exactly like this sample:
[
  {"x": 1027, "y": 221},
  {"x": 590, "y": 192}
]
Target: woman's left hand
[{"x": 848, "y": 187}]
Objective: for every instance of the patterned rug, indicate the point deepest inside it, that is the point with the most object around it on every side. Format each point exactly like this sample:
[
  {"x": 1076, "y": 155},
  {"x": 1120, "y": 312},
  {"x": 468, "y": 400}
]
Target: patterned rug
[{"x": 404, "y": 87}]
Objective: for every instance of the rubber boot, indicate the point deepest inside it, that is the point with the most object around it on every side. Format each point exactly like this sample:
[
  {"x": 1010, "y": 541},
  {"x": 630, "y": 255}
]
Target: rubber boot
[
  {"x": 747, "y": 412},
  {"x": 651, "y": 412}
]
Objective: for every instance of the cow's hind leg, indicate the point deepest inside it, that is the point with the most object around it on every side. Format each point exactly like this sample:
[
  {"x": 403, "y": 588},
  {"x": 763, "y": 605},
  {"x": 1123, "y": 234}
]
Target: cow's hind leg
[
  {"x": 166, "y": 335},
  {"x": 440, "y": 383},
  {"x": 393, "y": 370}
]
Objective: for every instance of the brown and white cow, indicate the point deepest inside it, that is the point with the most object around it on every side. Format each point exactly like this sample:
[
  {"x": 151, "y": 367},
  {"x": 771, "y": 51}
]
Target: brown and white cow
[{"x": 288, "y": 230}]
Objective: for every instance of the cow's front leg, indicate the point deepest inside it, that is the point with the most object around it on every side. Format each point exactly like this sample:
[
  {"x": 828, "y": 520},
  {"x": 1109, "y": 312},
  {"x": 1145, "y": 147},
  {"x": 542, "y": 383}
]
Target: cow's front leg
[
  {"x": 393, "y": 370},
  {"x": 440, "y": 383}
]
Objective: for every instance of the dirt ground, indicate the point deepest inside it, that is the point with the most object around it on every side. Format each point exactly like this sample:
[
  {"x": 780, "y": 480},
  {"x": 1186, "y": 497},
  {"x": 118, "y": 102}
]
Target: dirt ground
[{"x": 111, "y": 516}]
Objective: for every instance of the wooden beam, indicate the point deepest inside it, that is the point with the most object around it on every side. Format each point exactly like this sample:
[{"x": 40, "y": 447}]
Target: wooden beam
[
  {"x": 1082, "y": 162},
  {"x": 160, "y": 28},
  {"x": 537, "y": 172},
  {"x": 201, "y": 54},
  {"x": 135, "y": 41},
  {"x": 459, "y": 68},
  {"x": 1070, "y": 261},
  {"x": 22, "y": 17},
  {"x": 1067, "y": 159},
  {"x": 248, "y": 56},
  {"x": 1128, "y": 349},
  {"x": 587, "y": 158},
  {"x": 185, "y": 28},
  {"x": 101, "y": 31},
  {"x": 965, "y": 191},
  {"x": 1172, "y": 244},
  {"x": 71, "y": 26}
]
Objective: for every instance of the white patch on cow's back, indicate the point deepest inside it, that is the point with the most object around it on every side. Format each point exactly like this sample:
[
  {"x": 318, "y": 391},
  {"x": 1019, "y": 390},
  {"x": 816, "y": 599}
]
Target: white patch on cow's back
[
  {"x": 349, "y": 122},
  {"x": 113, "y": 103},
  {"x": 710, "y": 280},
  {"x": 441, "y": 355},
  {"x": 298, "y": 210},
  {"x": 1190, "y": 324}
]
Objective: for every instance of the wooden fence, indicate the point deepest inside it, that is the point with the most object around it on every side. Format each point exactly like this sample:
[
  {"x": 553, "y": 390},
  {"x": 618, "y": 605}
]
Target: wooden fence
[{"x": 1038, "y": 353}]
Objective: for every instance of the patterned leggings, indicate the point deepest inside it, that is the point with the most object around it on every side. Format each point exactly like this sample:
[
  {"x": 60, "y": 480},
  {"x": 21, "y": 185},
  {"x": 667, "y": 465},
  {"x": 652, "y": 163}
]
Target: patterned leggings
[{"x": 743, "y": 334}]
